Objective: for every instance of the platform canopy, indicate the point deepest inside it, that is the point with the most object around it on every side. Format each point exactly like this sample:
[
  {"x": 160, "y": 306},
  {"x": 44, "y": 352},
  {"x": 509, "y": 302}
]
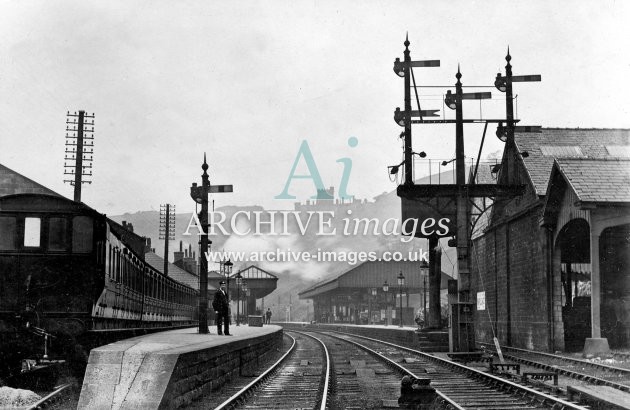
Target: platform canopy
[
  {"x": 373, "y": 275},
  {"x": 260, "y": 282}
]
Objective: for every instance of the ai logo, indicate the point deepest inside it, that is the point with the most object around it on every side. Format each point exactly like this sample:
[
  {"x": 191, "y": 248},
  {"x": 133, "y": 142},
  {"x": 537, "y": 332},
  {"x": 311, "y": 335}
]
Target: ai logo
[{"x": 305, "y": 152}]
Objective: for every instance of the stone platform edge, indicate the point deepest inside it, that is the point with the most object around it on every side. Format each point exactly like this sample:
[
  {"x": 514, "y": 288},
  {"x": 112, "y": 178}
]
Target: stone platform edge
[
  {"x": 431, "y": 341},
  {"x": 170, "y": 378}
]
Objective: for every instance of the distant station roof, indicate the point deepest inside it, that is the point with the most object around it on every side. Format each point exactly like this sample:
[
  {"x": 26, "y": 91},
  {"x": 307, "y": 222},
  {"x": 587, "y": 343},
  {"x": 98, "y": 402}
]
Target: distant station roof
[
  {"x": 570, "y": 144},
  {"x": 373, "y": 275},
  {"x": 12, "y": 182},
  {"x": 260, "y": 282}
]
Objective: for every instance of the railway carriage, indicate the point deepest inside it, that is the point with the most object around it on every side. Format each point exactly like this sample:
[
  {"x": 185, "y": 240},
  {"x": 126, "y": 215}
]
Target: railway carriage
[{"x": 71, "y": 278}]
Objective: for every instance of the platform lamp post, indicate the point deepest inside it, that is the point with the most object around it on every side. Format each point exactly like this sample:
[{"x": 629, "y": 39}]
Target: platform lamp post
[
  {"x": 374, "y": 293},
  {"x": 239, "y": 282},
  {"x": 401, "y": 283},
  {"x": 246, "y": 304},
  {"x": 386, "y": 289}
]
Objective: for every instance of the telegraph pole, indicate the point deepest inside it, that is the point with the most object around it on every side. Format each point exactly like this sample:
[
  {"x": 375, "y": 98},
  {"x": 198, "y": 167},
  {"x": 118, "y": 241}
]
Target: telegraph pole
[
  {"x": 167, "y": 229},
  {"x": 80, "y": 149}
]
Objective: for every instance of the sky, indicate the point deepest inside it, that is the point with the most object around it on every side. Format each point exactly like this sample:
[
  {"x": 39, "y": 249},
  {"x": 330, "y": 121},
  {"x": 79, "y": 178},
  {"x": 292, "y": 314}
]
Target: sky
[{"x": 247, "y": 82}]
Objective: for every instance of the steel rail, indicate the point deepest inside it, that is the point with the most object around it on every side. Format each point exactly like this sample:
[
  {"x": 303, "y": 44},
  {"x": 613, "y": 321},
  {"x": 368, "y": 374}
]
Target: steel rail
[
  {"x": 240, "y": 394},
  {"x": 326, "y": 374},
  {"x": 43, "y": 402},
  {"x": 607, "y": 367},
  {"x": 571, "y": 373},
  {"x": 544, "y": 398},
  {"x": 402, "y": 370}
]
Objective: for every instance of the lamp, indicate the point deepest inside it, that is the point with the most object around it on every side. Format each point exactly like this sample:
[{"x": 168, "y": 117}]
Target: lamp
[
  {"x": 500, "y": 83},
  {"x": 196, "y": 193},
  {"x": 450, "y": 100},
  {"x": 227, "y": 271},
  {"x": 245, "y": 295},
  {"x": 401, "y": 283},
  {"x": 239, "y": 281},
  {"x": 399, "y": 68},
  {"x": 501, "y": 132},
  {"x": 445, "y": 163},
  {"x": 399, "y": 117},
  {"x": 393, "y": 170},
  {"x": 373, "y": 291},
  {"x": 385, "y": 289}
]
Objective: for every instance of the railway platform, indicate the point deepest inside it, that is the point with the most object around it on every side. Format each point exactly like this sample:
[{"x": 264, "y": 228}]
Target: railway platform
[{"x": 171, "y": 369}]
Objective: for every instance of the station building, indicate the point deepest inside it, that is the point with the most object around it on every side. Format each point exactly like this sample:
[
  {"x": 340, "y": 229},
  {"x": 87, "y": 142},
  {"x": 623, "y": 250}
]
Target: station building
[
  {"x": 358, "y": 296},
  {"x": 551, "y": 267}
]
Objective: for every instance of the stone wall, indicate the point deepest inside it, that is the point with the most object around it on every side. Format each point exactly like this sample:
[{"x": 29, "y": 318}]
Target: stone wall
[
  {"x": 509, "y": 265},
  {"x": 119, "y": 377}
]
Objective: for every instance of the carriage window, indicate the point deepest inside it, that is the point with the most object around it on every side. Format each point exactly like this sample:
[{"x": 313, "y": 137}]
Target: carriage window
[
  {"x": 7, "y": 233},
  {"x": 32, "y": 232},
  {"x": 82, "y": 234},
  {"x": 57, "y": 234}
]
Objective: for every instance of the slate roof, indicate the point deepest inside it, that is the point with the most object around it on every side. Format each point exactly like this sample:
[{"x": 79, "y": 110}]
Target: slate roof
[
  {"x": 597, "y": 180},
  {"x": 592, "y": 144},
  {"x": 174, "y": 272}
]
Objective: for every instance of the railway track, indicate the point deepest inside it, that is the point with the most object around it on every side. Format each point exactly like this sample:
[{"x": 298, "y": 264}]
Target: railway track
[
  {"x": 584, "y": 370},
  {"x": 365, "y": 373},
  {"x": 53, "y": 399},
  {"x": 299, "y": 379},
  {"x": 458, "y": 386}
]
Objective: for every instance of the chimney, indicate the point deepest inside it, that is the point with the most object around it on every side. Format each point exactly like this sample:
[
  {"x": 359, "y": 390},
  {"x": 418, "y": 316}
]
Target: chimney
[
  {"x": 178, "y": 256},
  {"x": 127, "y": 226},
  {"x": 147, "y": 245}
]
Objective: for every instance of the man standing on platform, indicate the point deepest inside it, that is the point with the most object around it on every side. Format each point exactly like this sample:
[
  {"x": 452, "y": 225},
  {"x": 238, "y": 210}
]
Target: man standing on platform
[
  {"x": 268, "y": 316},
  {"x": 221, "y": 306}
]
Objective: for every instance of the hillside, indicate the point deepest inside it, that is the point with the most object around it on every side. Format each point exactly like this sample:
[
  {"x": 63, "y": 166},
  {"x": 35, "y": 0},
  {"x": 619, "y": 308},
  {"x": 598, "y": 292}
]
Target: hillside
[{"x": 296, "y": 236}]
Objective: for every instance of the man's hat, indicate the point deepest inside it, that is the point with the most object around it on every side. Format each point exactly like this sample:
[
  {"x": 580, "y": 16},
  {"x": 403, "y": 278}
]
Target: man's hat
[{"x": 222, "y": 282}]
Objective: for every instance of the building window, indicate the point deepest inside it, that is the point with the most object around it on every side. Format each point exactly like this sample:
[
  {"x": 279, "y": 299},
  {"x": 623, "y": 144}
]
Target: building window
[
  {"x": 57, "y": 234},
  {"x": 82, "y": 231},
  {"x": 32, "y": 232},
  {"x": 8, "y": 233}
]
